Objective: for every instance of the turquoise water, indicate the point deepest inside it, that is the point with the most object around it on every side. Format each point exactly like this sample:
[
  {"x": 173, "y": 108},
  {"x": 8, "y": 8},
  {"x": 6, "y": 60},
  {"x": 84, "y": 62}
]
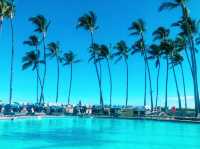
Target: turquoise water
[{"x": 91, "y": 133}]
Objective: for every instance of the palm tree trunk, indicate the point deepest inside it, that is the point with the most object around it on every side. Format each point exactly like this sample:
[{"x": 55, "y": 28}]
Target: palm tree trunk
[
  {"x": 97, "y": 73},
  {"x": 58, "y": 79},
  {"x": 183, "y": 78},
  {"x": 126, "y": 82},
  {"x": 12, "y": 61},
  {"x": 194, "y": 74},
  {"x": 110, "y": 80},
  {"x": 44, "y": 76},
  {"x": 37, "y": 74},
  {"x": 145, "y": 84},
  {"x": 150, "y": 84},
  {"x": 39, "y": 82},
  {"x": 70, "y": 85},
  {"x": 188, "y": 59},
  {"x": 37, "y": 89},
  {"x": 157, "y": 85},
  {"x": 177, "y": 90},
  {"x": 166, "y": 85},
  {"x": 149, "y": 74},
  {"x": 100, "y": 82}
]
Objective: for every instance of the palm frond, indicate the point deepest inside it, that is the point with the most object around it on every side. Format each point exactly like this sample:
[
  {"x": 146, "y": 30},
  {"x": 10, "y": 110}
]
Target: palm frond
[{"x": 167, "y": 6}]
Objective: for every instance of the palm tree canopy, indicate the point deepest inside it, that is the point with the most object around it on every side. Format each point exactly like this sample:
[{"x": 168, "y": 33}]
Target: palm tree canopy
[
  {"x": 32, "y": 41},
  {"x": 54, "y": 49},
  {"x": 167, "y": 47},
  {"x": 180, "y": 42},
  {"x": 30, "y": 59},
  {"x": 189, "y": 26},
  {"x": 176, "y": 59},
  {"x": 3, "y": 7},
  {"x": 139, "y": 46},
  {"x": 10, "y": 12},
  {"x": 7, "y": 9},
  {"x": 155, "y": 52},
  {"x": 88, "y": 21},
  {"x": 137, "y": 27},
  {"x": 122, "y": 50},
  {"x": 172, "y": 4},
  {"x": 70, "y": 58},
  {"x": 41, "y": 23},
  {"x": 95, "y": 52},
  {"x": 104, "y": 51},
  {"x": 161, "y": 33}
]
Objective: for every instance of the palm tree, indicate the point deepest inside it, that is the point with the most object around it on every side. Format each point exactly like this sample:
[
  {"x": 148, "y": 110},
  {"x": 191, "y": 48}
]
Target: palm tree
[
  {"x": 189, "y": 26},
  {"x": 181, "y": 44},
  {"x": 10, "y": 12},
  {"x": 42, "y": 26},
  {"x": 188, "y": 30},
  {"x": 162, "y": 34},
  {"x": 69, "y": 58},
  {"x": 122, "y": 52},
  {"x": 54, "y": 52},
  {"x": 137, "y": 29},
  {"x": 156, "y": 53},
  {"x": 88, "y": 22},
  {"x": 105, "y": 54},
  {"x": 31, "y": 59},
  {"x": 138, "y": 45},
  {"x": 33, "y": 41},
  {"x": 177, "y": 59},
  {"x": 174, "y": 63},
  {"x": 167, "y": 47}
]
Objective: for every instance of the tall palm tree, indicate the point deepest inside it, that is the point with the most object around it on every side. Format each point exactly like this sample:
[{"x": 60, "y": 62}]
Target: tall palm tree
[
  {"x": 167, "y": 47},
  {"x": 188, "y": 30},
  {"x": 34, "y": 42},
  {"x": 10, "y": 12},
  {"x": 162, "y": 34},
  {"x": 137, "y": 48},
  {"x": 31, "y": 59},
  {"x": 54, "y": 52},
  {"x": 106, "y": 54},
  {"x": 174, "y": 63},
  {"x": 188, "y": 27},
  {"x": 89, "y": 22},
  {"x": 42, "y": 25},
  {"x": 177, "y": 59},
  {"x": 69, "y": 58},
  {"x": 138, "y": 29},
  {"x": 122, "y": 52},
  {"x": 156, "y": 53},
  {"x": 181, "y": 45}
]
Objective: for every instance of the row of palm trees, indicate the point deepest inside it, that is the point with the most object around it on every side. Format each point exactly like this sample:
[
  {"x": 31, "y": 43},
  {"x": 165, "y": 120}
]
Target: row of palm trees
[
  {"x": 163, "y": 47},
  {"x": 32, "y": 59}
]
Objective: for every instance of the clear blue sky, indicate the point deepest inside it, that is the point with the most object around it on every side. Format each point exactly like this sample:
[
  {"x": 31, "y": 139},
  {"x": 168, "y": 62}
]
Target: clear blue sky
[{"x": 114, "y": 17}]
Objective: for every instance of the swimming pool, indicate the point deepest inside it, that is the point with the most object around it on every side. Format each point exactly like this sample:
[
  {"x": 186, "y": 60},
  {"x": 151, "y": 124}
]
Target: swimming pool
[{"x": 93, "y": 133}]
